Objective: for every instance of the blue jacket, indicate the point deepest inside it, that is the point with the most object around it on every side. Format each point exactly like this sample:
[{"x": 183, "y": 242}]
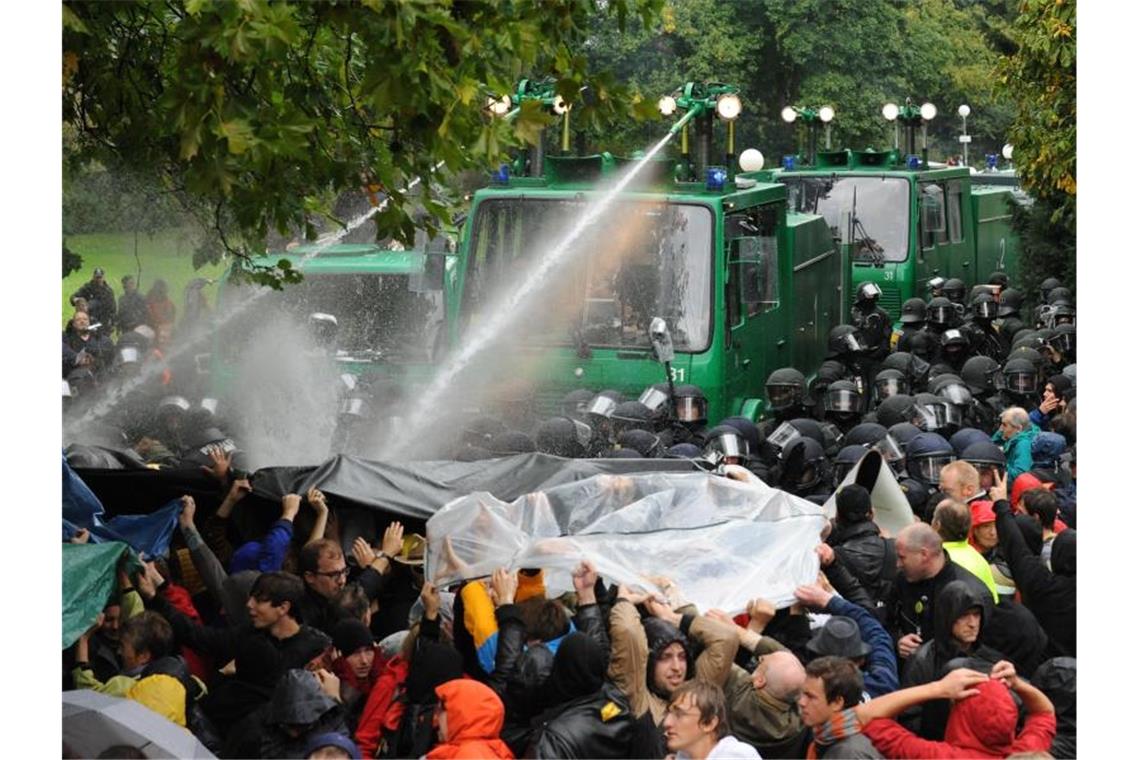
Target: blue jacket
[
  {"x": 880, "y": 671},
  {"x": 266, "y": 555},
  {"x": 1018, "y": 451}
]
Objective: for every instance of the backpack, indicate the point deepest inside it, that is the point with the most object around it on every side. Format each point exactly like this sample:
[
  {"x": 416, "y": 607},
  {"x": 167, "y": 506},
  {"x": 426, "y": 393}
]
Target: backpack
[{"x": 416, "y": 734}]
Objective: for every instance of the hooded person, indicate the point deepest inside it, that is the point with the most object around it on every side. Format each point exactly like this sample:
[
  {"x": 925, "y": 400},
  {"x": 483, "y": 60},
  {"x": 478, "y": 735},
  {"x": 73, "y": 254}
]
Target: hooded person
[
  {"x": 959, "y": 619},
  {"x": 584, "y": 715},
  {"x": 257, "y": 666},
  {"x": 470, "y": 719},
  {"x": 982, "y": 724},
  {"x": 1057, "y": 679},
  {"x": 298, "y": 711}
]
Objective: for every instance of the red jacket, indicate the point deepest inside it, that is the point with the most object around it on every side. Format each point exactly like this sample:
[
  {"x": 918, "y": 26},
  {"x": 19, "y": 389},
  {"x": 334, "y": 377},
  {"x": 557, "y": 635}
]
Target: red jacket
[
  {"x": 179, "y": 598},
  {"x": 981, "y": 726},
  {"x": 474, "y": 719},
  {"x": 382, "y": 712}
]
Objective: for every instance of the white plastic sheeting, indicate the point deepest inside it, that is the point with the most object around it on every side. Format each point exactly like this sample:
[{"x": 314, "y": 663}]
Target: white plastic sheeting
[{"x": 722, "y": 542}]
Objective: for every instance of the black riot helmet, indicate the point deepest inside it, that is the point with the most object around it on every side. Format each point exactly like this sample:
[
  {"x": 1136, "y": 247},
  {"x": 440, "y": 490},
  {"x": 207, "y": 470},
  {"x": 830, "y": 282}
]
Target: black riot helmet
[
  {"x": 844, "y": 340},
  {"x": 926, "y": 455},
  {"x": 809, "y": 462},
  {"x": 984, "y": 453},
  {"x": 865, "y": 434},
  {"x": 981, "y": 375},
  {"x": 867, "y": 293},
  {"x": 602, "y": 405},
  {"x": 631, "y": 415},
  {"x": 847, "y": 458},
  {"x": 1060, "y": 295},
  {"x": 889, "y": 382},
  {"x": 938, "y": 414},
  {"x": 575, "y": 402},
  {"x": 953, "y": 389},
  {"x": 1010, "y": 303},
  {"x": 1065, "y": 340},
  {"x": 913, "y": 311},
  {"x": 999, "y": 278},
  {"x": 655, "y": 398},
  {"x": 984, "y": 306},
  {"x": 899, "y": 360},
  {"x": 746, "y": 428},
  {"x": 955, "y": 290},
  {"x": 692, "y": 406},
  {"x": 725, "y": 444},
  {"x": 1047, "y": 286},
  {"x": 563, "y": 437},
  {"x": 809, "y": 428},
  {"x": 903, "y": 432},
  {"x": 646, "y": 444},
  {"x": 842, "y": 396},
  {"x": 923, "y": 344},
  {"x": 1063, "y": 314},
  {"x": 896, "y": 409},
  {"x": 941, "y": 311},
  {"x": 1020, "y": 376},
  {"x": 785, "y": 388},
  {"x": 935, "y": 285},
  {"x": 955, "y": 345}
]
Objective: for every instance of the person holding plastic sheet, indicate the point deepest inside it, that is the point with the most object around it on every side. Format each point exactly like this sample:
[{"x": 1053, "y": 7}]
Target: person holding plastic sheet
[
  {"x": 859, "y": 543},
  {"x": 649, "y": 659}
]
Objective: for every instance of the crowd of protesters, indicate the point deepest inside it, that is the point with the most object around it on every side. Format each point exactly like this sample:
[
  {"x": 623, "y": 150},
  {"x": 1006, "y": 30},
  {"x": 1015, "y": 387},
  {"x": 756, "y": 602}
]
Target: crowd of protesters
[{"x": 956, "y": 637}]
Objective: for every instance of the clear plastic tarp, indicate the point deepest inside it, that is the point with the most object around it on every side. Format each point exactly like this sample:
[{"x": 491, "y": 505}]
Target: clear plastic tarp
[{"x": 722, "y": 541}]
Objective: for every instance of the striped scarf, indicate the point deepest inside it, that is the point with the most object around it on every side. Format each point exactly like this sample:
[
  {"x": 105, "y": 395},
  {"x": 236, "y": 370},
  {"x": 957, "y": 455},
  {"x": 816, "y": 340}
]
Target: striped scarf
[{"x": 840, "y": 726}]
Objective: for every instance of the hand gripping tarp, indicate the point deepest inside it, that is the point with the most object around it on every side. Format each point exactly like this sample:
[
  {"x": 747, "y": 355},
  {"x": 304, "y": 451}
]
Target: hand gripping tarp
[
  {"x": 147, "y": 534},
  {"x": 722, "y": 542},
  {"x": 88, "y": 581}
]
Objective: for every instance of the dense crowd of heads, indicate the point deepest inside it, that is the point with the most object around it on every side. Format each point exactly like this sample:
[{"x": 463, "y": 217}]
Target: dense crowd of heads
[{"x": 955, "y": 637}]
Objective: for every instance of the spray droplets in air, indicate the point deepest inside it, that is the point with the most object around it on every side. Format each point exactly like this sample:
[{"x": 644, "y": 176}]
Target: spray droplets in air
[{"x": 424, "y": 415}]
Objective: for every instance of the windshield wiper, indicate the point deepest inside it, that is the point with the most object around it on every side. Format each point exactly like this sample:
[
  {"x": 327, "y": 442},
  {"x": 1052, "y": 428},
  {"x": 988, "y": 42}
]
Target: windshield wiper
[{"x": 866, "y": 244}]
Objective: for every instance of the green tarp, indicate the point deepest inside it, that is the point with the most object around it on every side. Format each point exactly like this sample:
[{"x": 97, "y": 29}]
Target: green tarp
[{"x": 88, "y": 581}]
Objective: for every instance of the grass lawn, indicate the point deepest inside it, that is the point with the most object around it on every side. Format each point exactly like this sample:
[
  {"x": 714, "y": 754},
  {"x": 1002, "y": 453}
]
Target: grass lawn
[{"x": 167, "y": 255}]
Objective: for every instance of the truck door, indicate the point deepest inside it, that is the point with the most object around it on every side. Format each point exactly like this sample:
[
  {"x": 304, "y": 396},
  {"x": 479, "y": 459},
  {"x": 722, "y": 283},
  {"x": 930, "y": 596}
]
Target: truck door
[
  {"x": 755, "y": 326},
  {"x": 933, "y": 255}
]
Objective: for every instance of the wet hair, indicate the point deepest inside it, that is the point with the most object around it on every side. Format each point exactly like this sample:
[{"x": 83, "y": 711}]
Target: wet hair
[
  {"x": 352, "y": 602},
  {"x": 953, "y": 519},
  {"x": 278, "y": 588},
  {"x": 1042, "y": 504},
  {"x": 312, "y": 552},
  {"x": 545, "y": 619},
  {"x": 709, "y": 699},
  {"x": 841, "y": 679},
  {"x": 149, "y": 632}
]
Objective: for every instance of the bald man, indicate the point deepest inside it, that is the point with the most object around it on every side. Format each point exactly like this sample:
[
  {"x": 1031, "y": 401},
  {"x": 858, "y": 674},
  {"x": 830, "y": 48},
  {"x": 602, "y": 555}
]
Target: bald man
[
  {"x": 924, "y": 570},
  {"x": 762, "y": 704}
]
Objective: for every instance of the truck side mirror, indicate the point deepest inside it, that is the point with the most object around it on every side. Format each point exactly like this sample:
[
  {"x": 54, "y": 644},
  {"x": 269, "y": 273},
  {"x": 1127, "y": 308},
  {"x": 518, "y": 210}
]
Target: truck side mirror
[{"x": 661, "y": 340}]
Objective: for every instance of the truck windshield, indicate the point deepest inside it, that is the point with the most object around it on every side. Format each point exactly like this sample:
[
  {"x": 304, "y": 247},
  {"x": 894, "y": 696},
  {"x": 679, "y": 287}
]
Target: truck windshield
[
  {"x": 642, "y": 260},
  {"x": 379, "y": 317},
  {"x": 872, "y": 214}
]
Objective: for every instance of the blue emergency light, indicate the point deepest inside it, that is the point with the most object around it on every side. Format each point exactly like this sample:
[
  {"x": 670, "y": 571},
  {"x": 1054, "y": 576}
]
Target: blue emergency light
[
  {"x": 789, "y": 163},
  {"x": 502, "y": 176},
  {"x": 715, "y": 177},
  {"x": 913, "y": 162}
]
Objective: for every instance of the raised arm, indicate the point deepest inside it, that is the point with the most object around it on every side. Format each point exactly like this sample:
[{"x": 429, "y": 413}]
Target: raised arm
[{"x": 629, "y": 650}]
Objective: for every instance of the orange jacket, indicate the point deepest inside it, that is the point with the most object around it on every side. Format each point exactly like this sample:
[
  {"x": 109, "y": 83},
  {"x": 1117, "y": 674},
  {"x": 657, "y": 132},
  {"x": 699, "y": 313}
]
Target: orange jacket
[{"x": 474, "y": 719}]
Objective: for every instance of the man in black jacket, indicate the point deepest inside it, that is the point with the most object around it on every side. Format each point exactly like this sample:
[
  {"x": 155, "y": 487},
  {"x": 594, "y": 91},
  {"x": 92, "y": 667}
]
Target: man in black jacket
[
  {"x": 856, "y": 539},
  {"x": 1050, "y": 596}
]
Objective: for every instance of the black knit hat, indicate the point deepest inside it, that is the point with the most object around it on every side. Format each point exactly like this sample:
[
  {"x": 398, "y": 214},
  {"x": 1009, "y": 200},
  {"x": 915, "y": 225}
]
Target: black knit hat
[
  {"x": 349, "y": 635},
  {"x": 852, "y": 503}
]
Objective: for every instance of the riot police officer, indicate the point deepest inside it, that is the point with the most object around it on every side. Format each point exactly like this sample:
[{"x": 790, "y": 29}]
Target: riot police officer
[
  {"x": 985, "y": 339},
  {"x": 871, "y": 320},
  {"x": 955, "y": 290},
  {"x": 786, "y": 389},
  {"x": 941, "y": 315}
]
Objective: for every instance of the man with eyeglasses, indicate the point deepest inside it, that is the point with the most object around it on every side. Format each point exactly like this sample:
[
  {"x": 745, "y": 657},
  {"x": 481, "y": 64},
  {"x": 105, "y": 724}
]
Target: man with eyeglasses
[
  {"x": 696, "y": 725},
  {"x": 325, "y": 572}
]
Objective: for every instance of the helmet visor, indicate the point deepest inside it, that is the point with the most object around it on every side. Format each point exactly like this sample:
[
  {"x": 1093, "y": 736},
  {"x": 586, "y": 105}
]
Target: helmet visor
[
  {"x": 783, "y": 435},
  {"x": 889, "y": 448},
  {"x": 602, "y": 406},
  {"x": 1065, "y": 342},
  {"x": 930, "y": 417},
  {"x": 1021, "y": 382},
  {"x": 692, "y": 409},
  {"x": 939, "y": 315},
  {"x": 956, "y": 394},
  {"x": 729, "y": 445},
  {"x": 869, "y": 290},
  {"x": 849, "y": 342},
  {"x": 654, "y": 399},
  {"x": 783, "y": 396},
  {"x": 890, "y": 386},
  {"x": 930, "y": 468},
  {"x": 986, "y": 309},
  {"x": 841, "y": 400}
]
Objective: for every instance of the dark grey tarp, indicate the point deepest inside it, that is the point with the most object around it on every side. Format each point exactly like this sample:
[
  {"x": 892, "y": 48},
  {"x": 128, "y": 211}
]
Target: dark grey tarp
[{"x": 412, "y": 490}]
